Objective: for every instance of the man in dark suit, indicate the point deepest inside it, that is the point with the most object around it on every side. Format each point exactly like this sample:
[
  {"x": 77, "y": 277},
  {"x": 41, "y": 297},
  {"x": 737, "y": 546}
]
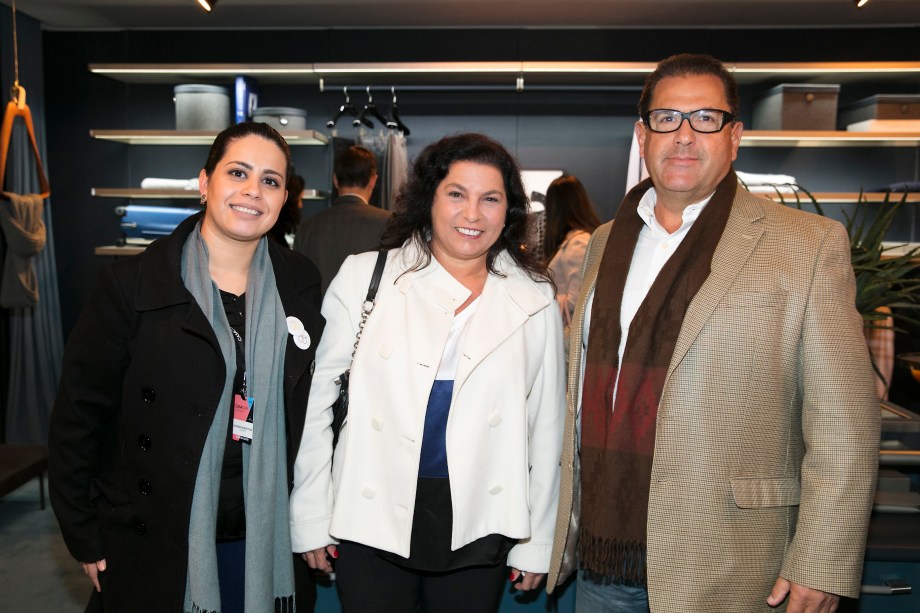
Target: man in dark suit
[{"x": 351, "y": 224}]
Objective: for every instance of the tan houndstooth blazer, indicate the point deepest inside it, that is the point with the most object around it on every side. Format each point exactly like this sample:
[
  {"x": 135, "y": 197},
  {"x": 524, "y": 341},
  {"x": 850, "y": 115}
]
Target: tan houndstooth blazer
[{"x": 766, "y": 449}]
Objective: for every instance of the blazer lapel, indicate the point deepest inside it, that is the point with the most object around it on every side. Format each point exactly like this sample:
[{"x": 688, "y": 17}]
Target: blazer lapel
[{"x": 741, "y": 235}]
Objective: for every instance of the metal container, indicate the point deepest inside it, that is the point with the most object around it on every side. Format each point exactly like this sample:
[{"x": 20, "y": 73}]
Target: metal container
[
  {"x": 202, "y": 107},
  {"x": 282, "y": 118}
]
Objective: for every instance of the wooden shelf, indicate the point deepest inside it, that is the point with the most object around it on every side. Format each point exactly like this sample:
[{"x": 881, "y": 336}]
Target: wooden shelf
[
  {"x": 196, "y": 137},
  {"x": 117, "y": 250},
  {"x": 828, "y": 138},
  {"x": 175, "y": 194},
  {"x": 843, "y": 197},
  {"x": 195, "y": 73},
  {"x": 401, "y": 73}
]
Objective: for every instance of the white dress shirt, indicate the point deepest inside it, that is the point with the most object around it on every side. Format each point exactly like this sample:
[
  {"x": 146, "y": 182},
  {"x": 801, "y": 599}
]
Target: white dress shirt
[{"x": 653, "y": 249}]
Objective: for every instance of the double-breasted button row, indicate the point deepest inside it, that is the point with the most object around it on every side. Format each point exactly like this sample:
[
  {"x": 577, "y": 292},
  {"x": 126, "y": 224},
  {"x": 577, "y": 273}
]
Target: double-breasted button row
[
  {"x": 143, "y": 441},
  {"x": 144, "y": 487},
  {"x": 148, "y": 394}
]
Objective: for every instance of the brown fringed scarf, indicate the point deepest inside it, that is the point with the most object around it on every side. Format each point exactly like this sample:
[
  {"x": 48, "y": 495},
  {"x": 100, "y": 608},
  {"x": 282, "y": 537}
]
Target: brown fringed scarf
[{"x": 618, "y": 442}]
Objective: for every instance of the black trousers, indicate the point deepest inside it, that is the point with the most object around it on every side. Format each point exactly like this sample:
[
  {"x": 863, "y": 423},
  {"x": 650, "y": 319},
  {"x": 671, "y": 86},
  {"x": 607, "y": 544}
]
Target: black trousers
[{"x": 369, "y": 584}]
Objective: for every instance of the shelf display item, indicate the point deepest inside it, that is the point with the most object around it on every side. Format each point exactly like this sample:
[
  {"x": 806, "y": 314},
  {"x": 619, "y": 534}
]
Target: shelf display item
[
  {"x": 151, "y": 222},
  {"x": 794, "y": 106},
  {"x": 245, "y": 98},
  {"x": 281, "y": 118},
  {"x": 202, "y": 107},
  {"x": 883, "y": 107}
]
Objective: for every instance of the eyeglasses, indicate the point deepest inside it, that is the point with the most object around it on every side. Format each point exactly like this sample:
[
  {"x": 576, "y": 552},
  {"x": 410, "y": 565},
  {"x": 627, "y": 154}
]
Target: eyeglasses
[{"x": 702, "y": 120}]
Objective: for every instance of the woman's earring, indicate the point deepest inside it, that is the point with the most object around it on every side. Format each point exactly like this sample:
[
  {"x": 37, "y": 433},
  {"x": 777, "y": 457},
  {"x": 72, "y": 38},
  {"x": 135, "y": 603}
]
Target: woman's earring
[{"x": 204, "y": 200}]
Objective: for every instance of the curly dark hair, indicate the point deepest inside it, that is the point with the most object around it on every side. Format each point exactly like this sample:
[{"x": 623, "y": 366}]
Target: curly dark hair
[{"x": 412, "y": 215}]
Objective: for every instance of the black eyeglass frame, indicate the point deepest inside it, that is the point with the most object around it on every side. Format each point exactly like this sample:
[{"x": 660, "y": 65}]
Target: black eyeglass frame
[{"x": 727, "y": 118}]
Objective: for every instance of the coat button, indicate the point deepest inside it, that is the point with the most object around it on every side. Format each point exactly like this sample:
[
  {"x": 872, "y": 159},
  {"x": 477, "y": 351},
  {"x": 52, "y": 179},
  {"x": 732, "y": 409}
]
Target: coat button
[
  {"x": 148, "y": 394},
  {"x": 140, "y": 528},
  {"x": 495, "y": 489},
  {"x": 144, "y": 487},
  {"x": 143, "y": 441},
  {"x": 376, "y": 424},
  {"x": 494, "y": 419},
  {"x": 368, "y": 493}
]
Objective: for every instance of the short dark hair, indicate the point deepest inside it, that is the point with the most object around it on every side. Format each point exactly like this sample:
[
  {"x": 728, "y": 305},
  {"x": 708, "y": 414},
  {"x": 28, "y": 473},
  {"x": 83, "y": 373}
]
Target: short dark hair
[
  {"x": 354, "y": 167},
  {"x": 686, "y": 64},
  {"x": 568, "y": 208},
  {"x": 241, "y": 130},
  {"x": 412, "y": 216}
]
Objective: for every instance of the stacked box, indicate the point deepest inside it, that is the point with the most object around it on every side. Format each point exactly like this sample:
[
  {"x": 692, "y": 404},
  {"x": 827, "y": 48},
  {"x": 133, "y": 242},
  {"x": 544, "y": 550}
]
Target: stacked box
[
  {"x": 883, "y": 107},
  {"x": 792, "y": 106}
]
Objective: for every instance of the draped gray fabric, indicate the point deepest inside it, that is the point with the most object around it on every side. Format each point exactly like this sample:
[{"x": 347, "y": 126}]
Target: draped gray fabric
[{"x": 33, "y": 346}]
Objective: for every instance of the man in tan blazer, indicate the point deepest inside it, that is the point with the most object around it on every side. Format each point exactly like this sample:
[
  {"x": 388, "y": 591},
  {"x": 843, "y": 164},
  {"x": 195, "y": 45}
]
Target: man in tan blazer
[{"x": 746, "y": 450}]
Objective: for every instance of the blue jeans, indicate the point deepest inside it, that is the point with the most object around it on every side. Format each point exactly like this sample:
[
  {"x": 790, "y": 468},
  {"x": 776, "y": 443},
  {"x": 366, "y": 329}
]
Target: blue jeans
[{"x": 591, "y": 597}]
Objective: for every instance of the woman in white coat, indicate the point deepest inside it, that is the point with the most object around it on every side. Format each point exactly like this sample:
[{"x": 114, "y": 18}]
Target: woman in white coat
[{"x": 447, "y": 467}]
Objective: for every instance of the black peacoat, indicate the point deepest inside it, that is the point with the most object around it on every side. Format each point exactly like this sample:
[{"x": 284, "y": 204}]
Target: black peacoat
[{"x": 142, "y": 376}]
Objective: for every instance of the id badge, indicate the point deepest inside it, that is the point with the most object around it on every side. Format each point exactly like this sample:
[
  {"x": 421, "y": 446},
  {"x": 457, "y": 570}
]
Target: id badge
[{"x": 242, "y": 419}]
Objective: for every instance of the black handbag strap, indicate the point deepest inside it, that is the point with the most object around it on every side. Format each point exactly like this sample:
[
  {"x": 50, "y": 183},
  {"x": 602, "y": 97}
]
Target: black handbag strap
[
  {"x": 370, "y": 299},
  {"x": 375, "y": 279}
]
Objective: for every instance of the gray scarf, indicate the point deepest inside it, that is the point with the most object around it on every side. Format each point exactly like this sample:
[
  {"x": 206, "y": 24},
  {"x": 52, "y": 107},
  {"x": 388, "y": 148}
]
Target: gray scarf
[{"x": 269, "y": 584}]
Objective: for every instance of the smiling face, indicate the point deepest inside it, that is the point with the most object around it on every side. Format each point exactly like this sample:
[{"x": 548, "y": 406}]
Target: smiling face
[
  {"x": 468, "y": 214},
  {"x": 686, "y": 166},
  {"x": 245, "y": 191}
]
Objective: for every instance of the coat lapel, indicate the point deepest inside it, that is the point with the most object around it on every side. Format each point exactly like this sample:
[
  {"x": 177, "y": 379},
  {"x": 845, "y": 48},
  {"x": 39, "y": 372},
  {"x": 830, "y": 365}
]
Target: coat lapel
[
  {"x": 506, "y": 304},
  {"x": 741, "y": 235}
]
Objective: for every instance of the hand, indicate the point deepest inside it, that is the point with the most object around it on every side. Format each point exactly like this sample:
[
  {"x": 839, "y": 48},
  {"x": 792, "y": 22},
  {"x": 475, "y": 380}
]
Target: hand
[
  {"x": 92, "y": 570},
  {"x": 802, "y": 599},
  {"x": 526, "y": 581},
  {"x": 318, "y": 558}
]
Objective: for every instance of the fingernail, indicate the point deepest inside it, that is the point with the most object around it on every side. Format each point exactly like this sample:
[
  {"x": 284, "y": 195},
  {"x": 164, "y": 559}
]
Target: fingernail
[
  {"x": 511, "y": 577},
  {"x": 335, "y": 554}
]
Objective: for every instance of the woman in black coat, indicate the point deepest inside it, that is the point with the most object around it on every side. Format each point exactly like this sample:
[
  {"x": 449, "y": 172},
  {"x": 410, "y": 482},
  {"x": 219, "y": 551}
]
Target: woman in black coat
[{"x": 182, "y": 404}]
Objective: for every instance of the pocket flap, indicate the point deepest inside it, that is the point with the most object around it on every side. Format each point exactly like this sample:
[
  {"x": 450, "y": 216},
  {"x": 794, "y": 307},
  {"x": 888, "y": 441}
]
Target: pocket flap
[{"x": 756, "y": 492}]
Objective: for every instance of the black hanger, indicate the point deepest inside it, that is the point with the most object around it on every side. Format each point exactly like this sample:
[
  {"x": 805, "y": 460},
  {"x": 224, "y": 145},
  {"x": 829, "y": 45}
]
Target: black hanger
[
  {"x": 369, "y": 109},
  {"x": 347, "y": 108},
  {"x": 394, "y": 122}
]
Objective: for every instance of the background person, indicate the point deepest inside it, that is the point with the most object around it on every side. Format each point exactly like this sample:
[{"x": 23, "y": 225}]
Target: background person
[
  {"x": 183, "y": 381},
  {"x": 351, "y": 225},
  {"x": 570, "y": 220},
  {"x": 289, "y": 217},
  {"x": 729, "y": 426},
  {"x": 446, "y": 471}
]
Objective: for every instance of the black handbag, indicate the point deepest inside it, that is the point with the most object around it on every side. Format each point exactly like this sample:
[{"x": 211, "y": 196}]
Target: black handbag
[{"x": 340, "y": 406}]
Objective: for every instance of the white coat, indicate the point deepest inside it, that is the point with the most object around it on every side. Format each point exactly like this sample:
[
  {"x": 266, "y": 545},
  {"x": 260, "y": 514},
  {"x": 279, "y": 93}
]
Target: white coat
[{"x": 505, "y": 427}]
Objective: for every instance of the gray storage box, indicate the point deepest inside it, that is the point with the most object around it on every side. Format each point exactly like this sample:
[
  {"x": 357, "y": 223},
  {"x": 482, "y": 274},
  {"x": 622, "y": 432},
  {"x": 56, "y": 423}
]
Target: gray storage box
[
  {"x": 793, "y": 106},
  {"x": 282, "y": 118},
  {"x": 881, "y": 106},
  {"x": 202, "y": 107}
]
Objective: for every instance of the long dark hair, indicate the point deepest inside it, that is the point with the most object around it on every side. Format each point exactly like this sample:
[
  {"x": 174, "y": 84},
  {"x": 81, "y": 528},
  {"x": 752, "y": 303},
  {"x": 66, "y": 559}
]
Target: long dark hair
[
  {"x": 412, "y": 216},
  {"x": 568, "y": 208}
]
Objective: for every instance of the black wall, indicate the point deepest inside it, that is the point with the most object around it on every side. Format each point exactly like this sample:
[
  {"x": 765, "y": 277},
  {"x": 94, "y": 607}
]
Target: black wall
[{"x": 585, "y": 133}]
